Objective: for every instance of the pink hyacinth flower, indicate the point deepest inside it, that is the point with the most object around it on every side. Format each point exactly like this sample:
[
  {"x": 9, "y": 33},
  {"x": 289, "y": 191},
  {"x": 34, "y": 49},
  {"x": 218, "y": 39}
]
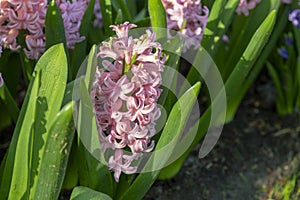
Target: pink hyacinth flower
[
  {"x": 246, "y": 5},
  {"x": 189, "y": 17},
  {"x": 28, "y": 18},
  {"x": 125, "y": 95},
  {"x": 17, "y": 15}
]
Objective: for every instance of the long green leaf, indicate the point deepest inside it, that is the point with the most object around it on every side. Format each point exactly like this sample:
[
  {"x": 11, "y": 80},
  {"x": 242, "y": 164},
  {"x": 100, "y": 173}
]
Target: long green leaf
[
  {"x": 85, "y": 193},
  {"x": 245, "y": 64},
  {"x": 16, "y": 171},
  {"x": 9, "y": 102},
  {"x": 55, "y": 32},
  {"x": 158, "y": 18},
  {"x": 170, "y": 136},
  {"x": 41, "y": 104},
  {"x": 53, "y": 67},
  {"x": 106, "y": 10},
  {"x": 121, "y": 5},
  {"x": 55, "y": 157},
  {"x": 278, "y": 86},
  {"x": 278, "y": 28},
  {"x": 243, "y": 30},
  {"x": 79, "y": 53}
]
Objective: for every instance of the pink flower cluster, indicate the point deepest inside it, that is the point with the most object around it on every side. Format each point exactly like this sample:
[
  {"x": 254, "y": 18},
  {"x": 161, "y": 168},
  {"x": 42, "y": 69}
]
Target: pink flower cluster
[
  {"x": 188, "y": 17},
  {"x": 28, "y": 18},
  {"x": 125, "y": 95},
  {"x": 72, "y": 13},
  {"x": 18, "y": 15},
  {"x": 246, "y": 5}
]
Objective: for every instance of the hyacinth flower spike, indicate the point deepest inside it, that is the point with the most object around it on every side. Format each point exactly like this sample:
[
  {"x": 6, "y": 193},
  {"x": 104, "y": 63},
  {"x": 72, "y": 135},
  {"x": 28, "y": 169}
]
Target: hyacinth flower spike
[{"x": 124, "y": 96}]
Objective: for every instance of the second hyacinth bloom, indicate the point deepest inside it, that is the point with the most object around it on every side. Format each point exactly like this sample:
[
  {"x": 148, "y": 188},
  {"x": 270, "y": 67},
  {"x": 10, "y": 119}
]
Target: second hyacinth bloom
[{"x": 124, "y": 96}]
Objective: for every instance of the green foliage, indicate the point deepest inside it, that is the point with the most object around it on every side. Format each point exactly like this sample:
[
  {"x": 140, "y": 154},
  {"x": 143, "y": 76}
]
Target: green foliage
[
  {"x": 84, "y": 193},
  {"x": 158, "y": 18},
  {"x": 25, "y": 164}
]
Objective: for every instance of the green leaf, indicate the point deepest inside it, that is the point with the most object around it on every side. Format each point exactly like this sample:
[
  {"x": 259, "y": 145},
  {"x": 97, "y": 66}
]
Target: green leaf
[
  {"x": 212, "y": 23},
  {"x": 55, "y": 32},
  {"x": 85, "y": 193},
  {"x": 232, "y": 89},
  {"x": 219, "y": 21},
  {"x": 106, "y": 11},
  {"x": 279, "y": 93},
  {"x": 53, "y": 67},
  {"x": 158, "y": 18},
  {"x": 172, "y": 48},
  {"x": 42, "y": 102},
  {"x": 79, "y": 53},
  {"x": 278, "y": 28},
  {"x": 16, "y": 175},
  {"x": 55, "y": 156},
  {"x": 9, "y": 103},
  {"x": 246, "y": 62},
  {"x": 121, "y": 5},
  {"x": 91, "y": 68},
  {"x": 170, "y": 136},
  {"x": 119, "y": 17},
  {"x": 243, "y": 30}
]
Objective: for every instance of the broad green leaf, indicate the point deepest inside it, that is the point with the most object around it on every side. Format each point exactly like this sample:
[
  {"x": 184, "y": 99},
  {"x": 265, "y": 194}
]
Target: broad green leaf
[
  {"x": 16, "y": 175},
  {"x": 85, "y": 193},
  {"x": 170, "y": 136},
  {"x": 41, "y": 104},
  {"x": 106, "y": 10},
  {"x": 53, "y": 68},
  {"x": 79, "y": 53},
  {"x": 55, "y": 156},
  {"x": 158, "y": 18}
]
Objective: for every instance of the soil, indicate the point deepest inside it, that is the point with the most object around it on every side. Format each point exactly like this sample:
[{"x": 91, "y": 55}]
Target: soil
[{"x": 255, "y": 151}]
